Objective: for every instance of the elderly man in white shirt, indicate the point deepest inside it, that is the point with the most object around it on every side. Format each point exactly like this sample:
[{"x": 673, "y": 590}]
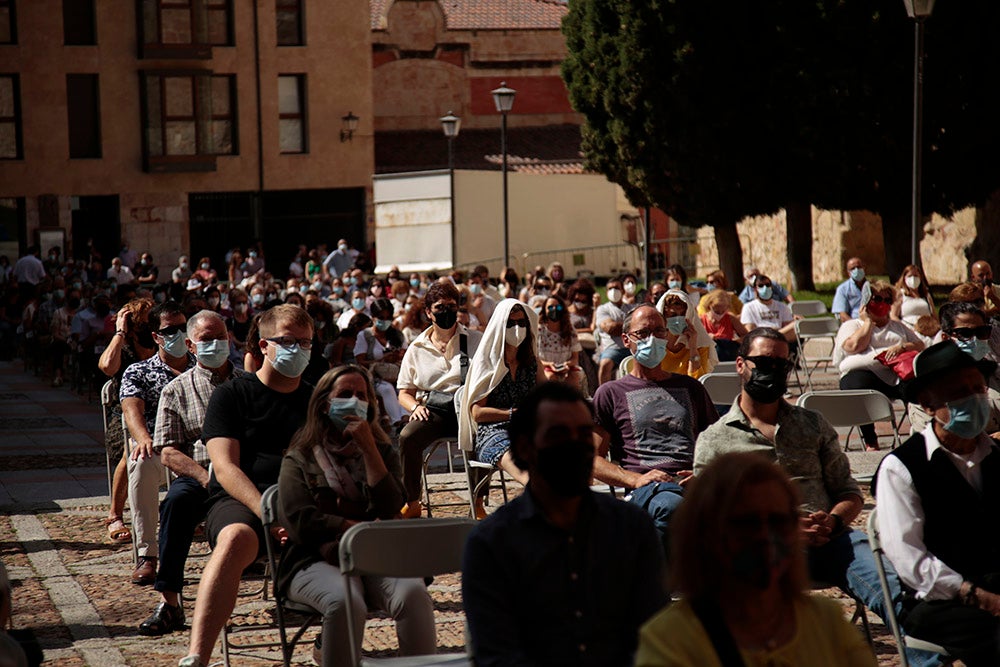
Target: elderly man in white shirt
[{"x": 938, "y": 498}]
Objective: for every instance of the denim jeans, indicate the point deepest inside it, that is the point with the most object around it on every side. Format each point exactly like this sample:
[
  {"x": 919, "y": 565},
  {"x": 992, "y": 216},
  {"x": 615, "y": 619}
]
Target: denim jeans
[
  {"x": 180, "y": 513},
  {"x": 321, "y": 586},
  {"x": 660, "y": 500},
  {"x": 847, "y": 561}
]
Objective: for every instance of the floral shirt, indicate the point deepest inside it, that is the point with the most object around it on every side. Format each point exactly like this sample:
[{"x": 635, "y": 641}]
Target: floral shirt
[{"x": 145, "y": 380}]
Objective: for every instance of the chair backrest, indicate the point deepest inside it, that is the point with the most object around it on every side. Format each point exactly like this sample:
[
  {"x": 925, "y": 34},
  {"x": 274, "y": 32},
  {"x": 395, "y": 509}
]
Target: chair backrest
[
  {"x": 625, "y": 367},
  {"x": 808, "y": 308},
  {"x": 404, "y": 548},
  {"x": 725, "y": 367},
  {"x": 723, "y": 388},
  {"x": 819, "y": 326},
  {"x": 849, "y": 407},
  {"x": 106, "y": 392}
]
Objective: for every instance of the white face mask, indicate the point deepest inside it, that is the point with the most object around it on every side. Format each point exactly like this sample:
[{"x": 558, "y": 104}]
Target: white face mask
[
  {"x": 515, "y": 335},
  {"x": 913, "y": 282},
  {"x": 630, "y": 288},
  {"x": 614, "y": 295}
]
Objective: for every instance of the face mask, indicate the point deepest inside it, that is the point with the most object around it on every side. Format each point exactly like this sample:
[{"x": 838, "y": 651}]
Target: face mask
[
  {"x": 676, "y": 324},
  {"x": 766, "y": 387},
  {"x": 968, "y": 416},
  {"x": 253, "y": 254},
  {"x": 342, "y": 247},
  {"x": 674, "y": 284},
  {"x": 213, "y": 301},
  {"x": 567, "y": 467},
  {"x": 710, "y": 286},
  {"x": 414, "y": 282},
  {"x": 765, "y": 293},
  {"x": 913, "y": 282},
  {"x": 630, "y": 288},
  {"x": 476, "y": 288},
  {"x": 143, "y": 262},
  {"x": 878, "y": 309},
  {"x": 257, "y": 299},
  {"x": 857, "y": 274},
  {"x": 445, "y": 319},
  {"x": 650, "y": 352},
  {"x": 184, "y": 265},
  {"x": 204, "y": 265},
  {"x": 290, "y": 361},
  {"x": 383, "y": 325},
  {"x": 240, "y": 308},
  {"x": 973, "y": 347},
  {"x": 358, "y": 304},
  {"x": 338, "y": 290},
  {"x": 353, "y": 280},
  {"x": 758, "y": 564},
  {"x": 52, "y": 258},
  {"x": 614, "y": 295},
  {"x": 303, "y": 289},
  {"x": 174, "y": 345},
  {"x": 318, "y": 287},
  {"x": 346, "y": 407},
  {"x": 553, "y": 313},
  {"x": 77, "y": 285},
  {"x": 59, "y": 294},
  {"x": 515, "y": 335},
  {"x": 213, "y": 353}
]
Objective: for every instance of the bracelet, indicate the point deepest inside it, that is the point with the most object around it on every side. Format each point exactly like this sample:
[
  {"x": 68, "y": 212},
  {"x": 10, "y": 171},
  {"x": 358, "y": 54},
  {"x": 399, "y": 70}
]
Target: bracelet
[
  {"x": 971, "y": 598},
  {"x": 120, "y": 333},
  {"x": 510, "y": 413}
]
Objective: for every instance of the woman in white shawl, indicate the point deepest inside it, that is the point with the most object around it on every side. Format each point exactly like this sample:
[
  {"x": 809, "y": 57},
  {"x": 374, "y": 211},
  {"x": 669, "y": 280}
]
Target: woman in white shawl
[
  {"x": 504, "y": 369},
  {"x": 709, "y": 358}
]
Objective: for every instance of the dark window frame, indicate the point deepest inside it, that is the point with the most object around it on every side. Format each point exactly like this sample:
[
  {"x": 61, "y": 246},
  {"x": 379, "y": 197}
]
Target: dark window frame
[
  {"x": 17, "y": 119},
  {"x": 298, "y": 8},
  {"x": 95, "y": 78},
  {"x": 11, "y": 6},
  {"x": 302, "y": 115},
  {"x": 71, "y": 15},
  {"x": 232, "y": 116},
  {"x": 153, "y": 46}
]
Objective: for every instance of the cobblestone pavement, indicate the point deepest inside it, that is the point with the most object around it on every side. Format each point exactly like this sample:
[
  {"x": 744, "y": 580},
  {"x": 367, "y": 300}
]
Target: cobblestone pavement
[{"x": 71, "y": 585}]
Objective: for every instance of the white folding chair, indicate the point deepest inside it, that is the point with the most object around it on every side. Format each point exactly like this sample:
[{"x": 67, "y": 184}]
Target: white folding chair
[
  {"x": 809, "y": 308},
  {"x": 485, "y": 476},
  {"x": 852, "y": 408},
  {"x": 723, "y": 388},
  {"x": 815, "y": 329},
  {"x": 725, "y": 367},
  {"x": 425, "y": 472},
  {"x": 625, "y": 367},
  {"x": 106, "y": 400},
  {"x": 413, "y": 548},
  {"x": 902, "y": 643}
]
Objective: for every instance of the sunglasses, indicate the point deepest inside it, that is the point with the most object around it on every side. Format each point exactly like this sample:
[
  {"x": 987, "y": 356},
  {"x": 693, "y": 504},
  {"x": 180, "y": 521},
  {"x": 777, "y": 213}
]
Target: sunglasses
[
  {"x": 771, "y": 364},
  {"x": 171, "y": 330},
  {"x": 967, "y": 333},
  {"x": 750, "y": 524},
  {"x": 882, "y": 299},
  {"x": 517, "y": 323}
]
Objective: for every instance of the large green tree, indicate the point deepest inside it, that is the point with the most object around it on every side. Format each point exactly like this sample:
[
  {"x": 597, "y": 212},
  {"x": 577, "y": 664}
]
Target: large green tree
[{"x": 715, "y": 111}]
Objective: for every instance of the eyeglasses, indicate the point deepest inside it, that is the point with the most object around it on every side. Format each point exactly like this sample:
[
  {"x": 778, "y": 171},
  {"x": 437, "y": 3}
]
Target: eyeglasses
[
  {"x": 171, "y": 330},
  {"x": 771, "y": 364},
  {"x": 967, "y": 333},
  {"x": 643, "y": 334},
  {"x": 749, "y": 524},
  {"x": 289, "y": 341},
  {"x": 882, "y": 299}
]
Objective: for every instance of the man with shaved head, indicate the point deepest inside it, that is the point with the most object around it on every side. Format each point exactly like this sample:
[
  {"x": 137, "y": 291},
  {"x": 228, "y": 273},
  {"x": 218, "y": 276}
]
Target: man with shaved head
[
  {"x": 847, "y": 299},
  {"x": 981, "y": 273}
]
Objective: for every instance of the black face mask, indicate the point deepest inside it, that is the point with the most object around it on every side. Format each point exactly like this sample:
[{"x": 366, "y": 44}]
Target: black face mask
[
  {"x": 766, "y": 387},
  {"x": 757, "y": 564},
  {"x": 445, "y": 318},
  {"x": 567, "y": 467}
]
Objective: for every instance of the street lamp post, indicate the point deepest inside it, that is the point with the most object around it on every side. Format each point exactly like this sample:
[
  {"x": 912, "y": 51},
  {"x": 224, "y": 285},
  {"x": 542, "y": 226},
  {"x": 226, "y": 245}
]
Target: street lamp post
[
  {"x": 451, "y": 124},
  {"x": 503, "y": 98},
  {"x": 918, "y": 10}
]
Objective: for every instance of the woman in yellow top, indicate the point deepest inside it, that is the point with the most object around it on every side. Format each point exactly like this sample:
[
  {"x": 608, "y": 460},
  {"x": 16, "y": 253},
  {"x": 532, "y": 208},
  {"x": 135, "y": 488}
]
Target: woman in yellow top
[
  {"x": 683, "y": 356},
  {"x": 738, "y": 564}
]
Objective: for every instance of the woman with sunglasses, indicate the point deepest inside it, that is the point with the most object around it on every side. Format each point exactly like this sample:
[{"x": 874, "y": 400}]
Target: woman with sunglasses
[
  {"x": 558, "y": 346},
  {"x": 915, "y": 297},
  {"x": 341, "y": 469},
  {"x": 860, "y": 340},
  {"x": 504, "y": 369}
]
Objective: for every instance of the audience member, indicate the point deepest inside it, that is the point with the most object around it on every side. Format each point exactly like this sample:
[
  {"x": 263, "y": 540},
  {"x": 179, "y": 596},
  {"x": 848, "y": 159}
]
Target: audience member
[
  {"x": 558, "y": 345},
  {"x": 749, "y": 292},
  {"x": 767, "y": 311},
  {"x": 981, "y": 273},
  {"x": 915, "y": 297},
  {"x": 608, "y": 320},
  {"x": 683, "y": 355},
  {"x": 722, "y": 325},
  {"x": 717, "y": 282},
  {"x": 847, "y": 299}
]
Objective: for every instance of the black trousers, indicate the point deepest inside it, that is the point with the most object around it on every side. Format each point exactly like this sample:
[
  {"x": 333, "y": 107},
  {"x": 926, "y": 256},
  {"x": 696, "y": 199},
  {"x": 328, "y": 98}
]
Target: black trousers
[
  {"x": 969, "y": 633},
  {"x": 415, "y": 437},
  {"x": 867, "y": 380}
]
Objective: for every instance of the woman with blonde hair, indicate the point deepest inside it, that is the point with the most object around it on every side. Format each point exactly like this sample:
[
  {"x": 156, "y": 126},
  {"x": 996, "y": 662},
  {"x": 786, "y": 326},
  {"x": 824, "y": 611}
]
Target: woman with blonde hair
[
  {"x": 738, "y": 564},
  {"x": 721, "y": 324},
  {"x": 915, "y": 297}
]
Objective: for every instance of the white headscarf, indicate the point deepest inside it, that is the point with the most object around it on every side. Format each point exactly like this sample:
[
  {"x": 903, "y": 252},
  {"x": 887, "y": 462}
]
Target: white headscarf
[
  {"x": 488, "y": 368},
  {"x": 704, "y": 340}
]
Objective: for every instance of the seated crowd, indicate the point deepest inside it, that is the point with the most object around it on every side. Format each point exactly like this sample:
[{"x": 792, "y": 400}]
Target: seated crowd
[{"x": 333, "y": 383}]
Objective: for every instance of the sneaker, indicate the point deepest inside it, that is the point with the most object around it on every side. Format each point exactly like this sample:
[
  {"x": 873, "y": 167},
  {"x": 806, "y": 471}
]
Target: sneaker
[
  {"x": 165, "y": 619},
  {"x": 144, "y": 573},
  {"x": 190, "y": 661}
]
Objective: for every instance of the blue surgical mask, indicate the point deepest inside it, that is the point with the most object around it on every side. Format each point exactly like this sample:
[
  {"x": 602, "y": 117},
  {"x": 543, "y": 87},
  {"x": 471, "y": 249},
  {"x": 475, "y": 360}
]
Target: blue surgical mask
[
  {"x": 857, "y": 274},
  {"x": 968, "y": 416},
  {"x": 257, "y": 299},
  {"x": 765, "y": 292},
  {"x": 382, "y": 325},
  {"x": 973, "y": 347},
  {"x": 414, "y": 282},
  {"x": 290, "y": 361},
  {"x": 674, "y": 284},
  {"x": 174, "y": 345},
  {"x": 676, "y": 324},
  {"x": 476, "y": 288},
  {"x": 213, "y": 353},
  {"x": 358, "y": 304},
  {"x": 650, "y": 352},
  {"x": 346, "y": 407}
]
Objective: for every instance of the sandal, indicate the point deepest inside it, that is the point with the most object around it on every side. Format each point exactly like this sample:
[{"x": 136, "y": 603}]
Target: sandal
[{"x": 117, "y": 530}]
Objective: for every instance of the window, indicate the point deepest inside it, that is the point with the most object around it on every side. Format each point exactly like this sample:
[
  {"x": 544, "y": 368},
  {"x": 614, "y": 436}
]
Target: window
[
  {"x": 189, "y": 118},
  {"x": 290, "y": 25},
  {"x": 83, "y": 109},
  {"x": 291, "y": 113},
  {"x": 184, "y": 28},
  {"x": 8, "y": 22},
  {"x": 10, "y": 117},
  {"x": 79, "y": 22}
]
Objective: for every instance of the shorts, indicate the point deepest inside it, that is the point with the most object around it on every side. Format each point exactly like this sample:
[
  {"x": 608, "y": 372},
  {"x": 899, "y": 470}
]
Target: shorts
[
  {"x": 226, "y": 511},
  {"x": 615, "y": 353},
  {"x": 492, "y": 442}
]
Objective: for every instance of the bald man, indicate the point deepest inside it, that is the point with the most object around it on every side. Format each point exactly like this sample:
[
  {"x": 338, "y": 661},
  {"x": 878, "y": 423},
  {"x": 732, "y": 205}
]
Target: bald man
[
  {"x": 981, "y": 273},
  {"x": 847, "y": 299}
]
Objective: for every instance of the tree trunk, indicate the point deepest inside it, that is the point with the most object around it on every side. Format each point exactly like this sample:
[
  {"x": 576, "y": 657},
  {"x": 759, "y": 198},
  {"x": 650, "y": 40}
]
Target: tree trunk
[
  {"x": 987, "y": 242},
  {"x": 799, "y": 245},
  {"x": 727, "y": 240},
  {"x": 896, "y": 235}
]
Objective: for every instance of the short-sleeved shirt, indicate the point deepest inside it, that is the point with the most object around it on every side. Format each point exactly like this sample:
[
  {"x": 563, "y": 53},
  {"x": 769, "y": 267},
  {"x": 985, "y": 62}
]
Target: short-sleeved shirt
[
  {"x": 805, "y": 446},
  {"x": 145, "y": 380},
  {"x": 609, "y": 311},
  {"x": 882, "y": 338},
  {"x": 553, "y": 349},
  {"x": 773, "y": 315},
  {"x": 777, "y": 291},
  {"x": 654, "y": 424},
  {"x": 847, "y": 298},
  {"x": 261, "y": 419},
  {"x": 424, "y": 368}
]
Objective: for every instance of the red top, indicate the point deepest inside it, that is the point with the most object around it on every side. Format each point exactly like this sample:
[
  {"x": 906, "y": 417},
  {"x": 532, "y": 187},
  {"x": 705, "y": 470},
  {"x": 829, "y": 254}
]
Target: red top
[{"x": 722, "y": 329}]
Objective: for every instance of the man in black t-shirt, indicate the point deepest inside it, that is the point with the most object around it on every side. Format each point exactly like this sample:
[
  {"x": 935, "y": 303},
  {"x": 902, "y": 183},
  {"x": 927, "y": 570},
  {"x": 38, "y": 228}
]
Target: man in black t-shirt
[{"x": 247, "y": 428}]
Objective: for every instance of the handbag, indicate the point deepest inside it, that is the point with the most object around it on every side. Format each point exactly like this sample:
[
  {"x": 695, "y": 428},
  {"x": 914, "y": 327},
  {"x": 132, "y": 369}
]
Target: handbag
[
  {"x": 443, "y": 402},
  {"x": 901, "y": 364}
]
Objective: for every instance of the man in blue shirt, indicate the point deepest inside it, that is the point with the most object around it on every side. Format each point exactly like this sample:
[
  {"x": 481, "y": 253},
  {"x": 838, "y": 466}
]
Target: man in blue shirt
[
  {"x": 749, "y": 292},
  {"x": 847, "y": 299},
  {"x": 560, "y": 575}
]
